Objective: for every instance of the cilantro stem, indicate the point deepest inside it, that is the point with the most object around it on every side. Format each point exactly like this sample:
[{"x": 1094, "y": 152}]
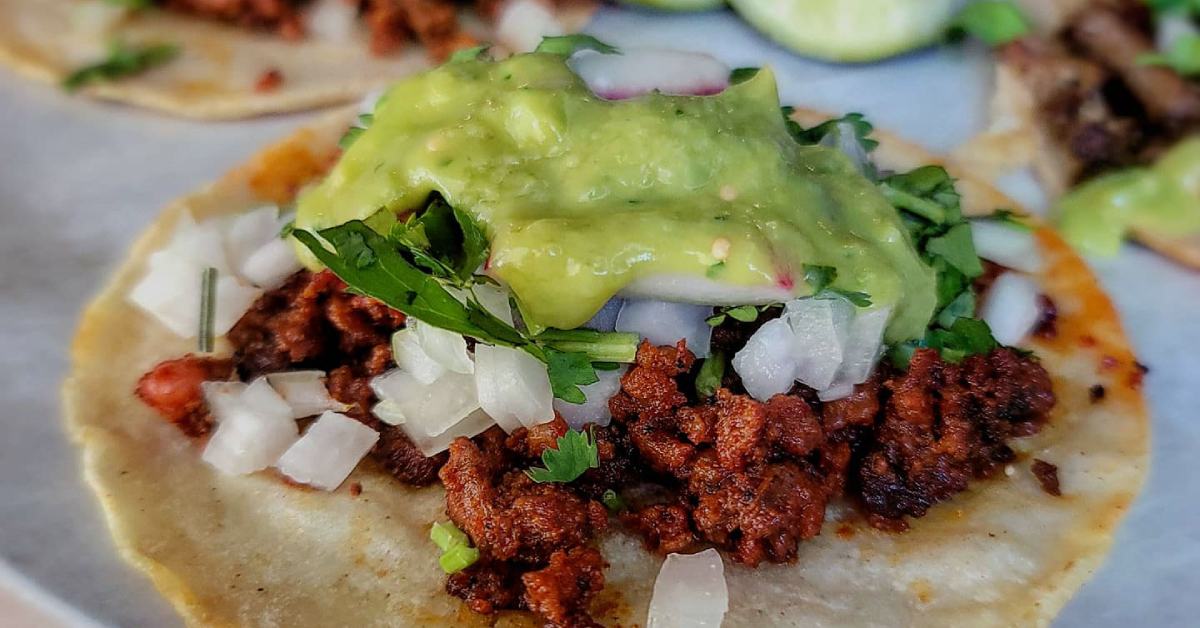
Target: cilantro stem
[
  {"x": 598, "y": 346},
  {"x": 922, "y": 207}
]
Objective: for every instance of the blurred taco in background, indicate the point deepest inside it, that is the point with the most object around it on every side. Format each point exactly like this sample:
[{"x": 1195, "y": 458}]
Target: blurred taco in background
[
  {"x": 240, "y": 58},
  {"x": 1102, "y": 99},
  {"x": 589, "y": 336}
]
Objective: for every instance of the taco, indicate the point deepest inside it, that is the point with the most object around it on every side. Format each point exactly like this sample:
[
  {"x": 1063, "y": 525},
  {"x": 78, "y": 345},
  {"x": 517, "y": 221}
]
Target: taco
[
  {"x": 544, "y": 339},
  {"x": 1102, "y": 100},
  {"x": 241, "y": 58}
]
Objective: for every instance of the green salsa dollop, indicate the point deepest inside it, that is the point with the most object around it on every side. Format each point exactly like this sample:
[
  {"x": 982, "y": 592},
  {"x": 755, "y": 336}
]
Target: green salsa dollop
[
  {"x": 1163, "y": 199},
  {"x": 582, "y": 197}
]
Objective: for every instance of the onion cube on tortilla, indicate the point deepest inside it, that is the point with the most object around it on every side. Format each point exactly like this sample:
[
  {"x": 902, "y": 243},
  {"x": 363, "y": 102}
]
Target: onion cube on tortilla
[{"x": 328, "y": 451}]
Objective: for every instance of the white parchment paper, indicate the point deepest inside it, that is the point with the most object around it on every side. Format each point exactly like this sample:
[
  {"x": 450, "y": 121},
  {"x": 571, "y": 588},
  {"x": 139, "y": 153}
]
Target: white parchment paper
[{"x": 79, "y": 180}]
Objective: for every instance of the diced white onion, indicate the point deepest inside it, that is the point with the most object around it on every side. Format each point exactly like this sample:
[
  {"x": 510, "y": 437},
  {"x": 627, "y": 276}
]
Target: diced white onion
[
  {"x": 253, "y": 429},
  {"x": 222, "y": 397},
  {"x": 247, "y": 232},
  {"x": 233, "y": 300},
  {"x": 820, "y": 327},
  {"x": 271, "y": 264},
  {"x": 595, "y": 409},
  {"x": 170, "y": 291},
  {"x": 328, "y": 451},
  {"x": 702, "y": 291},
  {"x": 305, "y": 392},
  {"x": 474, "y": 424},
  {"x": 864, "y": 345},
  {"x": 389, "y": 412},
  {"x": 1011, "y": 308},
  {"x": 665, "y": 323},
  {"x": 333, "y": 20},
  {"x": 689, "y": 592},
  {"x": 201, "y": 243},
  {"x": 494, "y": 299},
  {"x": 513, "y": 387},
  {"x": 767, "y": 364},
  {"x": 411, "y": 357},
  {"x": 428, "y": 409},
  {"x": 606, "y": 318},
  {"x": 446, "y": 348},
  {"x": 1006, "y": 245},
  {"x": 640, "y": 71},
  {"x": 521, "y": 24}
]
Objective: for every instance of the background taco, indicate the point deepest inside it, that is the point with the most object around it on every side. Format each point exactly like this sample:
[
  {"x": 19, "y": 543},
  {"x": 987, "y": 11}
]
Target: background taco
[{"x": 241, "y": 59}]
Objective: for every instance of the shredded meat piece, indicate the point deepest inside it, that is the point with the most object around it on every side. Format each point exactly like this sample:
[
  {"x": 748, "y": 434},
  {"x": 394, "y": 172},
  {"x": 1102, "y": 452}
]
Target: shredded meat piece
[
  {"x": 281, "y": 16},
  {"x": 432, "y": 23},
  {"x": 1047, "y": 475},
  {"x": 793, "y": 428},
  {"x": 665, "y": 528},
  {"x": 173, "y": 389},
  {"x": 560, "y": 592},
  {"x": 945, "y": 424},
  {"x": 514, "y": 517},
  {"x": 844, "y": 417}
]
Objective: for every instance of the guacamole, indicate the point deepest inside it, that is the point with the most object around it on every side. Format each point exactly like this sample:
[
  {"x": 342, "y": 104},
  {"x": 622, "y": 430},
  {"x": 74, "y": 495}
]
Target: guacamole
[
  {"x": 582, "y": 196},
  {"x": 1163, "y": 200}
]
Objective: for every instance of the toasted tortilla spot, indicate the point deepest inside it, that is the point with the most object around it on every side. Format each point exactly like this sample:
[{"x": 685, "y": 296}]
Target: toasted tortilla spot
[{"x": 1002, "y": 553}]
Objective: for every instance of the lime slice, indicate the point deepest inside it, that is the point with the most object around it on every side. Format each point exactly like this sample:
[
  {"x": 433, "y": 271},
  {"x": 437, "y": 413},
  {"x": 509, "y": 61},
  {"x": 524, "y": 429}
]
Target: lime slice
[
  {"x": 849, "y": 30},
  {"x": 678, "y": 5}
]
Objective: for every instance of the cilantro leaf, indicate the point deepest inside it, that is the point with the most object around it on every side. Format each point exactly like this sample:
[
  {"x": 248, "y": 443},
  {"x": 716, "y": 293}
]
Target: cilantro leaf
[
  {"x": 821, "y": 278},
  {"x": 123, "y": 60},
  {"x": 741, "y": 75},
  {"x": 470, "y": 54},
  {"x": 712, "y": 372},
  {"x": 447, "y": 242},
  {"x": 957, "y": 247},
  {"x": 573, "y": 454},
  {"x": 927, "y": 192},
  {"x": 994, "y": 22},
  {"x": 966, "y": 337},
  {"x": 567, "y": 45},
  {"x": 714, "y": 270},
  {"x": 743, "y": 313},
  {"x": 569, "y": 371},
  {"x": 962, "y": 306},
  {"x": 857, "y": 122}
]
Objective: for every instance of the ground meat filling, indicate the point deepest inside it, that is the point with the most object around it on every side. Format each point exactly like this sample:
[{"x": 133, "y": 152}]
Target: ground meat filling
[
  {"x": 312, "y": 322},
  {"x": 752, "y": 478}
]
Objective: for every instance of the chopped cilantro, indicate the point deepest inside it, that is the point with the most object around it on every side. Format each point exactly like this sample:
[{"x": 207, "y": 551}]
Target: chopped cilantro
[
  {"x": 352, "y": 134},
  {"x": 567, "y": 45},
  {"x": 994, "y": 22},
  {"x": 712, "y": 372},
  {"x": 573, "y": 454},
  {"x": 813, "y": 135},
  {"x": 1182, "y": 55},
  {"x": 285, "y": 232},
  {"x": 958, "y": 249},
  {"x": 123, "y": 60},
  {"x": 131, "y": 4},
  {"x": 740, "y": 75},
  {"x": 821, "y": 278},
  {"x": 714, "y": 270},
  {"x": 612, "y": 501},
  {"x": 569, "y": 371}
]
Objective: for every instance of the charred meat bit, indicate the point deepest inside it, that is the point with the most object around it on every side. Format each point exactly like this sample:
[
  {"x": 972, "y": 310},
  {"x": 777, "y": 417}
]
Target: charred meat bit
[
  {"x": 664, "y": 528},
  {"x": 269, "y": 80},
  {"x": 172, "y": 388},
  {"x": 854, "y": 413},
  {"x": 487, "y": 586},
  {"x": 1047, "y": 476},
  {"x": 561, "y": 591},
  {"x": 945, "y": 424}
]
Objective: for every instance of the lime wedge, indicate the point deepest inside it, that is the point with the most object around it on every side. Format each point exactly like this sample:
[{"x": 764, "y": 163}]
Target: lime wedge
[
  {"x": 678, "y": 5},
  {"x": 849, "y": 30}
]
